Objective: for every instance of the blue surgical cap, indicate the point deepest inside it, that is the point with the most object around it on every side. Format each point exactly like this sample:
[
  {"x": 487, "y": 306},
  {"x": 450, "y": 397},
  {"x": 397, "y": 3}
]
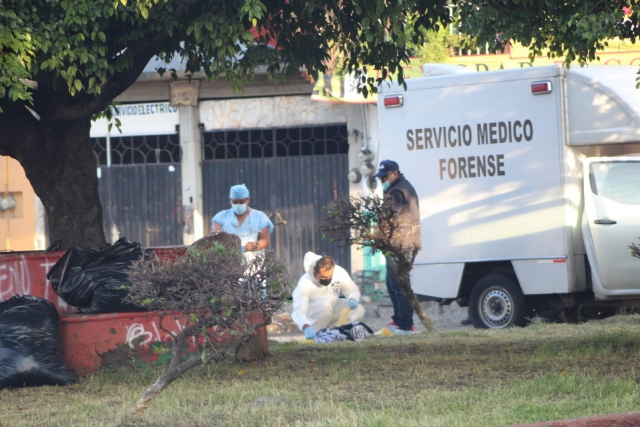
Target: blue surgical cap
[{"x": 239, "y": 191}]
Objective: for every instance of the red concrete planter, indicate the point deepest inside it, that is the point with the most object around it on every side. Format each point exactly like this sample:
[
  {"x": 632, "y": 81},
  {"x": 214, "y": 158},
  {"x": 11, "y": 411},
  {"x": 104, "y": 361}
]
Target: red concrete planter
[
  {"x": 90, "y": 341},
  {"x": 25, "y": 273},
  {"x": 132, "y": 339}
]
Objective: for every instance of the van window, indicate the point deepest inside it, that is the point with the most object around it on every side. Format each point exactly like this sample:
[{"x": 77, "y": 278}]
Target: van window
[{"x": 618, "y": 181}]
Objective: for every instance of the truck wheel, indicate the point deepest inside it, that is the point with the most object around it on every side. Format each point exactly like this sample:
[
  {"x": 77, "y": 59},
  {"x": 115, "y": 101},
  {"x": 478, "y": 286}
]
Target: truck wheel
[{"x": 496, "y": 302}]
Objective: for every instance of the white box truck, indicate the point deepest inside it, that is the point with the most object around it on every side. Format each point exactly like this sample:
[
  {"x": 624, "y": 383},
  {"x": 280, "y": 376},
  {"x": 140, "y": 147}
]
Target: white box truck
[{"x": 529, "y": 191}]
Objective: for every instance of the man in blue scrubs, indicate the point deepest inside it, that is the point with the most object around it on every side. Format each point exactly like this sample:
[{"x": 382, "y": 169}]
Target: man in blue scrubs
[{"x": 252, "y": 226}]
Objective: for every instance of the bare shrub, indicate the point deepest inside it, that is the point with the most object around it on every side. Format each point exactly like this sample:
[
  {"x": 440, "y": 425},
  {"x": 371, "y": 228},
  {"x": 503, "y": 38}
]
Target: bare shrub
[
  {"x": 366, "y": 222},
  {"x": 635, "y": 250},
  {"x": 218, "y": 291}
]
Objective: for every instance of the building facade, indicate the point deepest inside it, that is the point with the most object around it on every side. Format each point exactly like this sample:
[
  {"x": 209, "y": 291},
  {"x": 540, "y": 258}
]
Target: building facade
[{"x": 180, "y": 146}]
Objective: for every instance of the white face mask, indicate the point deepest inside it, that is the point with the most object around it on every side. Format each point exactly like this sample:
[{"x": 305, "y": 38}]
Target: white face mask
[{"x": 239, "y": 209}]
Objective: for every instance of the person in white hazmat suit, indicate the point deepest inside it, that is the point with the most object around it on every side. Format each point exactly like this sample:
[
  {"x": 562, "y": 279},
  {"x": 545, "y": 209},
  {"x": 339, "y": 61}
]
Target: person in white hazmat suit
[{"x": 316, "y": 302}]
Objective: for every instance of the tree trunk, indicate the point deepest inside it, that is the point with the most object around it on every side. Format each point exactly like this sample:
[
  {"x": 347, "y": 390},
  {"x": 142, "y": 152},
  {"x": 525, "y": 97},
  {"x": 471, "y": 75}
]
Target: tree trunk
[
  {"x": 70, "y": 194},
  {"x": 59, "y": 162},
  {"x": 402, "y": 266},
  {"x": 417, "y": 307},
  {"x": 160, "y": 384},
  {"x": 176, "y": 368}
]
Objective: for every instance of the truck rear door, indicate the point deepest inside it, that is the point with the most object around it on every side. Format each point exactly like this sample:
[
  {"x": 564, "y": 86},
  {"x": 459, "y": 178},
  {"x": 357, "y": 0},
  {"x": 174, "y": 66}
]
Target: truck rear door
[{"x": 612, "y": 223}]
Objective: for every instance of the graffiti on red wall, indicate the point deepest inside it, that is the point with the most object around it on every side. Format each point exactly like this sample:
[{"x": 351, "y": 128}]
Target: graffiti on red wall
[
  {"x": 141, "y": 335},
  {"x": 27, "y": 275}
]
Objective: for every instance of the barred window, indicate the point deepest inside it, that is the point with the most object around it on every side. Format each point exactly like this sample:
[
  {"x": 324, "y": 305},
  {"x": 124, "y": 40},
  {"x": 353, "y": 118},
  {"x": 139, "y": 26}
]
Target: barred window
[
  {"x": 126, "y": 150},
  {"x": 276, "y": 142},
  {"x": 100, "y": 150}
]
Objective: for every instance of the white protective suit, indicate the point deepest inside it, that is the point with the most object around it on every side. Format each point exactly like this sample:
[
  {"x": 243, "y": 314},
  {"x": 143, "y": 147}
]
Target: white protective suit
[{"x": 320, "y": 306}]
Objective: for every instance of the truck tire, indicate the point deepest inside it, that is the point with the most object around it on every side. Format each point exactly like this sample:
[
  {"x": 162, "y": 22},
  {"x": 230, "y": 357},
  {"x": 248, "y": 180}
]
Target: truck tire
[{"x": 496, "y": 302}]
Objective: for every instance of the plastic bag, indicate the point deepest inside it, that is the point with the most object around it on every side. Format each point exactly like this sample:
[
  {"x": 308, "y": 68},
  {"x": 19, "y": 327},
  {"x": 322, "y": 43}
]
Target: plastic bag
[
  {"x": 355, "y": 331},
  {"x": 328, "y": 335},
  {"x": 96, "y": 281},
  {"x": 30, "y": 353}
]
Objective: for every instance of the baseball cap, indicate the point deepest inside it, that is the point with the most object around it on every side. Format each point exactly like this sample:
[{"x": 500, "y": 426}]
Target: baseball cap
[{"x": 386, "y": 166}]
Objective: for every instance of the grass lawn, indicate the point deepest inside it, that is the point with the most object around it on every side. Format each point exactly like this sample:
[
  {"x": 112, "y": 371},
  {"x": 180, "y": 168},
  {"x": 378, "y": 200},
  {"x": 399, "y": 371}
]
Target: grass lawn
[{"x": 474, "y": 378}]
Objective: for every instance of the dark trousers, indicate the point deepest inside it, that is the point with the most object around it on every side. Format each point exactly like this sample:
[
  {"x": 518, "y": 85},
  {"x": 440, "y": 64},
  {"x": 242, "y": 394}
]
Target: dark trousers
[{"x": 402, "y": 310}]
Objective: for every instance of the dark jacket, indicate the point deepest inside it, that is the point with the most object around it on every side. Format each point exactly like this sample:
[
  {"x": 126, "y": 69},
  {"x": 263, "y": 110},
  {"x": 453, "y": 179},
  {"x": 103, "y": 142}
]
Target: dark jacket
[{"x": 403, "y": 205}]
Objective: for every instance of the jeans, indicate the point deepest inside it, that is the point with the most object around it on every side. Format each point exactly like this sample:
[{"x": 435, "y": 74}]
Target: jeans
[{"x": 402, "y": 310}]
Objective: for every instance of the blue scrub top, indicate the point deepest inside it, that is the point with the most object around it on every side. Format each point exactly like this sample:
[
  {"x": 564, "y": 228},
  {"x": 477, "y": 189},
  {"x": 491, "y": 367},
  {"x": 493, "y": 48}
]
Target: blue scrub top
[{"x": 253, "y": 223}]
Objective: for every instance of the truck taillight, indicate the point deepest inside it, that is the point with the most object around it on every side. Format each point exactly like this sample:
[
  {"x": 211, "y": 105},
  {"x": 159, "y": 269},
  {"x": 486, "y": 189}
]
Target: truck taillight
[
  {"x": 393, "y": 101},
  {"x": 540, "y": 88}
]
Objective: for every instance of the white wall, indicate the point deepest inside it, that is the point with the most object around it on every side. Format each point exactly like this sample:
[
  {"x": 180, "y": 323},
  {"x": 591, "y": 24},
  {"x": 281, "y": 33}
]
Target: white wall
[
  {"x": 277, "y": 111},
  {"x": 155, "y": 118}
]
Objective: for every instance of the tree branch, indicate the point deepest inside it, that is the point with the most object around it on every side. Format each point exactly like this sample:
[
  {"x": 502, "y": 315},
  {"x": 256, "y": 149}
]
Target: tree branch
[
  {"x": 369, "y": 222},
  {"x": 142, "y": 53},
  {"x": 222, "y": 296},
  {"x": 183, "y": 8},
  {"x": 20, "y": 132}
]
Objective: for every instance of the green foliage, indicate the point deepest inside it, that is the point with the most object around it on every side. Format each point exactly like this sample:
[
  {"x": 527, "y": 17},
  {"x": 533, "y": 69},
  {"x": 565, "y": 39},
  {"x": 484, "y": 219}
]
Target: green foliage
[
  {"x": 575, "y": 29},
  {"x": 16, "y": 51},
  {"x": 438, "y": 45},
  {"x": 160, "y": 349},
  {"x": 110, "y": 114},
  {"x": 83, "y": 45}
]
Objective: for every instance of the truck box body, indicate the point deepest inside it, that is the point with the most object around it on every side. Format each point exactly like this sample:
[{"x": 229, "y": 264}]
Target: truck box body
[{"x": 497, "y": 161}]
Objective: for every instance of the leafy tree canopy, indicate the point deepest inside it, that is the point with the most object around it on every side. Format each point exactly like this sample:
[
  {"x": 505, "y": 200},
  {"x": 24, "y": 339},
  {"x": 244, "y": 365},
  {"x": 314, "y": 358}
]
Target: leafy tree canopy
[
  {"x": 574, "y": 29},
  {"x": 87, "y": 46},
  {"x": 82, "y": 54}
]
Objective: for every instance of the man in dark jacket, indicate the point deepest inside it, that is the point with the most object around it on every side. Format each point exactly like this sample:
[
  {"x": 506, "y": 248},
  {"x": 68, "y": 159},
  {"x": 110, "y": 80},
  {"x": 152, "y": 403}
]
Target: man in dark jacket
[{"x": 402, "y": 203}]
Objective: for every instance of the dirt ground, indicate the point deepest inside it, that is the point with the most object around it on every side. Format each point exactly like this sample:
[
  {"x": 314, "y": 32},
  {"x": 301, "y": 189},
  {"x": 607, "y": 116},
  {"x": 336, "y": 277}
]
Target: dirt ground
[{"x": 377, "y": 316}]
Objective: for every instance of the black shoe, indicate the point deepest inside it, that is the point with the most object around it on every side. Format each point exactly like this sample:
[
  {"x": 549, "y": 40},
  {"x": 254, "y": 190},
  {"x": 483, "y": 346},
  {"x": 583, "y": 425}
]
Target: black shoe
[{"x": 467, "y": 321}]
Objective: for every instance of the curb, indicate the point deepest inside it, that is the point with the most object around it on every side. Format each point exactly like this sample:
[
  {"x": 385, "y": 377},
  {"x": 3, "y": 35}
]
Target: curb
[{"x": 629, "y": 419}]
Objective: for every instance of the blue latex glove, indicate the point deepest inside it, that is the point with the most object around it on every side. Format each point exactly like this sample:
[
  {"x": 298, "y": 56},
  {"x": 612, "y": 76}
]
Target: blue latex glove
[
  {"x": 309, "y": 333},
  {"x": 353, "y": 304}
]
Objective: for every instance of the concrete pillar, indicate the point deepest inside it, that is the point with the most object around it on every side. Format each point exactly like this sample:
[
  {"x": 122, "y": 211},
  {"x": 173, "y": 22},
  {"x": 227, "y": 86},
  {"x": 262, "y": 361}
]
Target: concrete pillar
[
  {"x": 40, "y": 240},
  {"x": 357, "y": 138},
  {"x": 362, "y": 125},
  {"x": 373, "y": 139},
  {"x": 191, "y": 170}
]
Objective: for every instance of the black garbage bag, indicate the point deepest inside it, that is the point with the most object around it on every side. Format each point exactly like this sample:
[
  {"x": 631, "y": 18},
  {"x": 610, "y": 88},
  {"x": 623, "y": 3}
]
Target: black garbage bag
[
  {"x": 30, "y": 353},
  {"x": 96, "y": 281}
]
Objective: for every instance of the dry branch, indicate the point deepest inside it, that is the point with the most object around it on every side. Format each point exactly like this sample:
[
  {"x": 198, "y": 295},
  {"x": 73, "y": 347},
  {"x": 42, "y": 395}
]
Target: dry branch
[
  {"x": 635, "y": 250},
  {"x": 367, "y": 222},
  {"x": 219, "y": 291}
]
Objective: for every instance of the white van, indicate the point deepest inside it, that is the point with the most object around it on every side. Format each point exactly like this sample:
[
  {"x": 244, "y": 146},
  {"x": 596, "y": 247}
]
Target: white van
[{"x": 509, "y": 226}]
